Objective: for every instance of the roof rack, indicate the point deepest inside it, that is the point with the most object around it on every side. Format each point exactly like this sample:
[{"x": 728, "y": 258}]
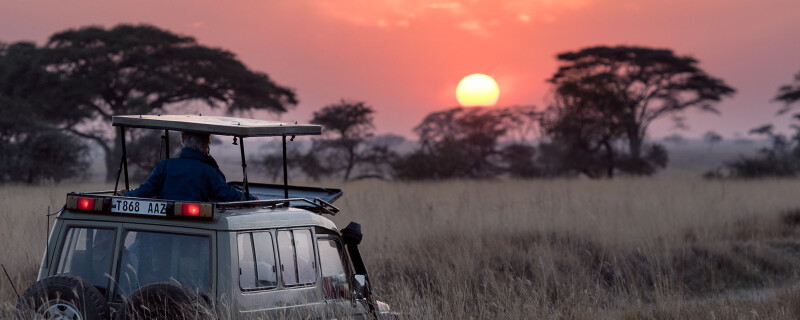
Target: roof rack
[{"x": 318, "y": 205}]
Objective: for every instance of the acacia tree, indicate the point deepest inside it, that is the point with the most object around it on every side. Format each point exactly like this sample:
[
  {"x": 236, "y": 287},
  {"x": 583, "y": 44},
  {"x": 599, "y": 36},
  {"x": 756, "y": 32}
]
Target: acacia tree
[
  {"x": 347, "y": 125},
  {"x": 137, "y": 69},
  {"x": 712, "y": 138},
  {"x": 456, "y": 143},
  {"x": 584, "y": 124},
  {"x": 789, "y": 94},
  {"x": 646, "y": 83}
]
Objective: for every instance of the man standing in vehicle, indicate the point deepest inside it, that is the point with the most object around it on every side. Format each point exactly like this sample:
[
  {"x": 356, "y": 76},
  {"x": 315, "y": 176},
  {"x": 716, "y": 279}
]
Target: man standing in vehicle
[{"x": 193, "y": 176}]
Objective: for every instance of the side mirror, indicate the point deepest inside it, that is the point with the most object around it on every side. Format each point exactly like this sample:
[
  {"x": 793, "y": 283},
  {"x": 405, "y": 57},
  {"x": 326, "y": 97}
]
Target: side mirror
[
  {"x": 360, "y": 284},
  {"x": 352, "y": 234}
]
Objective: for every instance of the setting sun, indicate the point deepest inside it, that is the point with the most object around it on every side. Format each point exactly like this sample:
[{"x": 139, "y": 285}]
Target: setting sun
[{"x": 477, "y": 90}]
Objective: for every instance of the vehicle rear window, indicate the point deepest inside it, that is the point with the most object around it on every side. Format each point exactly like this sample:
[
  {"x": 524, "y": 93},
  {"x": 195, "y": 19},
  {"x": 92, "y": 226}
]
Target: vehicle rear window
[
  {"x": 296, "y": 253},
  {"x": 87, "y": 253},
  {"x": 150, "y": 257},
  {"x": 257, "y": 261}
]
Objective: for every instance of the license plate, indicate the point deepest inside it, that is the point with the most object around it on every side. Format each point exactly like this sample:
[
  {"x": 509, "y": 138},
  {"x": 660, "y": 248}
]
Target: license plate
[{"x": 153, "y": 208}]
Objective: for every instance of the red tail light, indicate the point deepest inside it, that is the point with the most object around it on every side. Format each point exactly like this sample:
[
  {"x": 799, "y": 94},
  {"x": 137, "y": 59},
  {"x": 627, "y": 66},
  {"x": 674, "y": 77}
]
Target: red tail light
[
  {"x": 190, "y": 209},
  {"x": 204, "y": 210},
  {"x": 86, "y": 203}
]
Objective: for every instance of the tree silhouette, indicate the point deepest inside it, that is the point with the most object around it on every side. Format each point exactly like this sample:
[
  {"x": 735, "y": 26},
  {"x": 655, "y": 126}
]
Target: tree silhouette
[
  {"x": 456, "y": 143},
  {"x": 347, "y": 125},
  {"x": 584, "y": 123},
  {"x": 31, "y": 150},
  {"x": 646, "y": 84},
  {"x": 712, "y": 138},
  {"x": 137, "y": 69},
  {"x": 789, "y": 94},
  {"x": 675, "y": 139},
  {"x": 781, "y": 159}
]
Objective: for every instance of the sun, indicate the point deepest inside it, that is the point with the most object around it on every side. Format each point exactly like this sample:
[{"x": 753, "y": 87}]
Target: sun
[{"x": 477, "y": 90}]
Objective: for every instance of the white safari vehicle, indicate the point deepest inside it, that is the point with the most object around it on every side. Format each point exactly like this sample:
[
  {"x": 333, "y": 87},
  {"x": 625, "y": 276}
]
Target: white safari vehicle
[{"x": 115, "y": 257}]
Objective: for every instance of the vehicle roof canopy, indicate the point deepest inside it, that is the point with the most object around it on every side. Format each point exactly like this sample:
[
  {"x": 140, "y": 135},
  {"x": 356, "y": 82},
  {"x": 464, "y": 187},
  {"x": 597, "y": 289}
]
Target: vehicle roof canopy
[{"x": 228, "y": 126}]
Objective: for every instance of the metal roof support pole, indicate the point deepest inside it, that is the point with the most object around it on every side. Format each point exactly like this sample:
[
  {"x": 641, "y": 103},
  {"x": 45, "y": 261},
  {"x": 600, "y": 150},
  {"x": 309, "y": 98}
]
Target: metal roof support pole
[
  {"x": 244, "y": 170},
  {"x": 285, "y": 171},
  {"x": 166, "y": 143},
  {"x": 124, "y": 156}
]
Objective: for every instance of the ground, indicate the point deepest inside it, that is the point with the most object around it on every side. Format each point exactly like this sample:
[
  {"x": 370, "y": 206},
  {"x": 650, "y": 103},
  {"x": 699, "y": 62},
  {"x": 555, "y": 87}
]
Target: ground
[{"x": 657, "y": 248}]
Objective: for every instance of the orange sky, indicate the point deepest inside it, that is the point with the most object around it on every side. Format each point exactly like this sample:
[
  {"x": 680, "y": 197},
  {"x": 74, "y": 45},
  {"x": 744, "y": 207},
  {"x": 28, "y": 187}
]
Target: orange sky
[{"x": 406, "y": 57}]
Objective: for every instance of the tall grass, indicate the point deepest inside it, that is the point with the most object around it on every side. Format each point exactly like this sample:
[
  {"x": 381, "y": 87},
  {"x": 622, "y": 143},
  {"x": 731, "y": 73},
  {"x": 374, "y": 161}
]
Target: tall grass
[{"x": 627, "y": 248}]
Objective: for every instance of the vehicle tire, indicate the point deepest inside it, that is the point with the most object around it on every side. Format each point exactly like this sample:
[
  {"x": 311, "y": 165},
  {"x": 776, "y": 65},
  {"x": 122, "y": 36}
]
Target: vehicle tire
[
  {"x": 164, "y": 300},
  {"x": 62, "y": 297}
]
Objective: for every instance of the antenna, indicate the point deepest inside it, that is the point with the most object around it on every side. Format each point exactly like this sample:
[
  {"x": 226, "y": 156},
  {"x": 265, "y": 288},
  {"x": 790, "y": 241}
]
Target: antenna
[{"x": 11, "y": 282}]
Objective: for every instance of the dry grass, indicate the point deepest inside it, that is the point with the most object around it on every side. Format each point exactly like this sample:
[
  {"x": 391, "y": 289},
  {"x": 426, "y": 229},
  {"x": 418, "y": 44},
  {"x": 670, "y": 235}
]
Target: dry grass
[{"x": 621, "y": 249}]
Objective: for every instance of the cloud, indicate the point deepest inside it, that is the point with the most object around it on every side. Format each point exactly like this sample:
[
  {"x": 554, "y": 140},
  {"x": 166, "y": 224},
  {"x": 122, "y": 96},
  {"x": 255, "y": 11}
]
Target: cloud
[
  {"x": 475, "y": 26},
  {"x": 445, "y": 5},
  {"x": 475, "y": 16}
]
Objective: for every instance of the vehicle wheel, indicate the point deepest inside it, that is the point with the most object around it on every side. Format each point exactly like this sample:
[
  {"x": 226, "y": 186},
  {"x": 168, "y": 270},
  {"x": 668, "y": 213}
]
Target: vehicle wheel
[
  {"x": 164, "y": 301},
  {"x": 62, "y": 297}
]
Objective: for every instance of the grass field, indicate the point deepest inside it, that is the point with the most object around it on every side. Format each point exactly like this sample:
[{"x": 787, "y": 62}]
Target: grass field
[{"x": 551, "y": 249}]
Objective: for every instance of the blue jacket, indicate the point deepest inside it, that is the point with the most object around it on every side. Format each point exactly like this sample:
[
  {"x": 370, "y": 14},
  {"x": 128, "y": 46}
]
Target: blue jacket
[{"x": 186, "y": 178}]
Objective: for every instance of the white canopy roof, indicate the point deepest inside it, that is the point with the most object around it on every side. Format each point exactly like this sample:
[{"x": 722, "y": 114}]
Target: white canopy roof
[{"x": 228, "y": 126}]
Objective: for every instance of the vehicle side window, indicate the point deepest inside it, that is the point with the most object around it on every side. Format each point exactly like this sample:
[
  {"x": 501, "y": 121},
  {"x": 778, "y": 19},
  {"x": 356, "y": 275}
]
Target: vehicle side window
[
  {"x": 306, "y": 271},
  {"x": 87, "y": 253},
  {"x": 334, "y": 277},
  {"x": 296, "y": 253},
  {"x": 247, "y": 271},
  {"x": 257, "y": 261}
]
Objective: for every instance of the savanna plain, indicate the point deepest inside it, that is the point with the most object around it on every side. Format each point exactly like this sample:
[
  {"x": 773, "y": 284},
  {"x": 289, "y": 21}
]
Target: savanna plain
[{"x": 656, "y": 248}]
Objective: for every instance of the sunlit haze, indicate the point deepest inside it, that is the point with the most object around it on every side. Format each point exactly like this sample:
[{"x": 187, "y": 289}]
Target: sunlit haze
[{"x": 406, "y": 57}]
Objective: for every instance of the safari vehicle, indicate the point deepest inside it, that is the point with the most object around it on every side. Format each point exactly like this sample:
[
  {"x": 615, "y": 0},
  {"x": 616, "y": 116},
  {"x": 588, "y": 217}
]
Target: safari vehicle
[{"x": 111, "y": 256}]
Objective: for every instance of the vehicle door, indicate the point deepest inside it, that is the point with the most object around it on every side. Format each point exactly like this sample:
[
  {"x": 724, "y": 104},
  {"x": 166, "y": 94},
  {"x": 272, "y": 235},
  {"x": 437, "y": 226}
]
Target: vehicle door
[
  {"x": 154, "y": 253},
  {"x": 278, "y": 274},
  {"x": 336, "y": 279}
]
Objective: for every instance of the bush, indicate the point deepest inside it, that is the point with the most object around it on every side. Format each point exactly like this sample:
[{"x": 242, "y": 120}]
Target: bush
[{"x": 43, "y": 156}]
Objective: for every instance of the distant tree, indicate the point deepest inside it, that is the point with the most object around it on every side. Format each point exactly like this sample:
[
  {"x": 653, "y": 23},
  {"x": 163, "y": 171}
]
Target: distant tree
[
  {"x": 763, "y": 130},
  {"x": 137, "y": 69},
  {"x": 522, "y": 123},
  {"x": 584, "y": 126},
  {"x": 632, "y": 87},
  {"x": 712, "y": 138},
  {"x": 347, "y": 125},
  {"x": 520, "y": 161},
  {"x": 456, "y": 143},
  {"x": 675, "y": 139},
  {"x": 30, "y": 149},
  {"x": 272, "y": 163},
  {"x": 789, "y": 94},
  {"x": 781, "y": 159},
  {"x": 464, "y": 141},
  {"x": 377, "y": 155}
]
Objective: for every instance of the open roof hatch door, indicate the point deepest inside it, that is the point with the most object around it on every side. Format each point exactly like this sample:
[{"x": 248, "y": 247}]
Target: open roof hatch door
[{"x": 226, "y": 126}]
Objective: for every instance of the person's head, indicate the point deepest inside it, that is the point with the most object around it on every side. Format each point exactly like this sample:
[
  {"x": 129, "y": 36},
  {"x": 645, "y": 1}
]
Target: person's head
[{"x": 196, "y": 141}]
